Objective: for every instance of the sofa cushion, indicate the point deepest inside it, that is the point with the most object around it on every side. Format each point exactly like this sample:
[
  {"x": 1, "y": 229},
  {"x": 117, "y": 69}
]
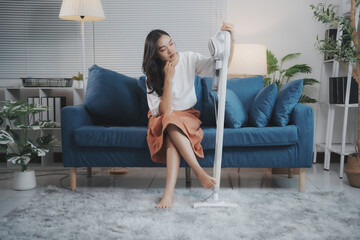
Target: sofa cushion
[
  {"x": 252, "y": 137},
  {"x": 261, "y": 109},
  {"x": 244, "y": 88},
  {"x": 286, "y": 100},
  {"x": 235, "y": 113},
  {"x": 112, "y": 98},
  {"x": 100, "y": 136},
  {"x": 208, "y": 114},
  {"x": 135, "y": 137}
]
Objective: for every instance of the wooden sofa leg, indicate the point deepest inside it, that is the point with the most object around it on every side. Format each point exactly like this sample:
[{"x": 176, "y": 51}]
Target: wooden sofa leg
[
  {"x": 290, "y": 174},
  {"x": 302, "y": 179},
  {"x": 187, "y": 174},
  {"x": 73, "y": 178},
  {"x": 89, "y": 172}
]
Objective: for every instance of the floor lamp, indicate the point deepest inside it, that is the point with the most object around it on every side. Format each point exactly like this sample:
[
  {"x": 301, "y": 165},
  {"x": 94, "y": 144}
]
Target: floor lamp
[
  {"x": 82, "y": 10},
  {"x": 248, "y": 60}
]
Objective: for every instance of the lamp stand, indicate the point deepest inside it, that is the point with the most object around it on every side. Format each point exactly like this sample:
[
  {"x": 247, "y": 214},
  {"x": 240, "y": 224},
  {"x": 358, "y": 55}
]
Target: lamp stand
[{"x": 83, "y": 54}]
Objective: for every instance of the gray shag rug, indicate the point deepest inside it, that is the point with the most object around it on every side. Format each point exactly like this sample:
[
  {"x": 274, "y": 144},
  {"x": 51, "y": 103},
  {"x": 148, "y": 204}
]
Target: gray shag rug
[{"x": 57, "y": 213}]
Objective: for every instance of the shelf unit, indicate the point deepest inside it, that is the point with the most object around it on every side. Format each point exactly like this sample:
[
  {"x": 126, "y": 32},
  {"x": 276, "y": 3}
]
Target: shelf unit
[
  {"x": 74, "y": 96},
  {"x": 343, "y": 148}
]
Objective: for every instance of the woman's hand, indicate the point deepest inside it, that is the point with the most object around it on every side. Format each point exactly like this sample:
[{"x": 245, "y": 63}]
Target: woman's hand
[
  {"x": 169, "y": 70},
  {"x": 228, "y": 27}
]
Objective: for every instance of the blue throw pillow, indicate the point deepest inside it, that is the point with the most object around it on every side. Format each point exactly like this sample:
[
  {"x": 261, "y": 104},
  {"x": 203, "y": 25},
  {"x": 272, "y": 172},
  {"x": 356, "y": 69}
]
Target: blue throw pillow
[
  {"x": 262, "y": 107},
  {"x": 112, "y": 98},
  {"x": 286, "y": 100},
  {"x": 207, "y": 116},
  {"x": 235, "y": 113},
  {"x": 144, "y": 107}
]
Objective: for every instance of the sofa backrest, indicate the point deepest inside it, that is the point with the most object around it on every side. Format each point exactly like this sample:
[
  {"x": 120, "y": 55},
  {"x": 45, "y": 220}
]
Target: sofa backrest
[
  {"x": 244, "y": 88},
  {"x": 112, "y": 98},
  {"x": 118, "y": 100}
]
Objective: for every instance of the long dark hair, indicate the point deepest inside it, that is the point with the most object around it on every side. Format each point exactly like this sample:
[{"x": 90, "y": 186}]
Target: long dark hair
[{"x": 153, "y": 66}]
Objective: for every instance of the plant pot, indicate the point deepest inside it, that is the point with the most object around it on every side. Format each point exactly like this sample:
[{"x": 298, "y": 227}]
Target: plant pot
[
  {"x": 24, "y": 180},
  {"x": 352, "y": 170},
  {"x": 79, "y": 84}
]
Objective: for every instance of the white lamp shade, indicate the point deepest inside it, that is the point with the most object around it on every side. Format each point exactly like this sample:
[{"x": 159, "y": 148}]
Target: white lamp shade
[
  {"x": 248, "y": 59},
  {"x": 91, "y": 10}
]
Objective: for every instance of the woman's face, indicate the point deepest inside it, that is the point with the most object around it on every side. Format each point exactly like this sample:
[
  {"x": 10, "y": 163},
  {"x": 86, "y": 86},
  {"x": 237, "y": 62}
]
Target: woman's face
[{"x": 166, "y": 49}]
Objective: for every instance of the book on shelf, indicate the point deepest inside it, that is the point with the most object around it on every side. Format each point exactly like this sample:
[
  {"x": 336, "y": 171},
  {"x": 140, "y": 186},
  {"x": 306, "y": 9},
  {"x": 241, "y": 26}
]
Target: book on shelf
[
  {"x": 59, "y": 103},
  {"x": 333, "y": 90},
  {"x": 44, "y": 115},
  {"x": 36, "y": 102},
  {"x": 337, "y": 90},
  {"x": 353, "y": 98},
  {"x": 53, "y": 113}
]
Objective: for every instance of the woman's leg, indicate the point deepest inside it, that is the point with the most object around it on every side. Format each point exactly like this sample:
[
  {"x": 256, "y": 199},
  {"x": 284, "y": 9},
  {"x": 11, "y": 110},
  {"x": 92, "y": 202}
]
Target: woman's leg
[
  {"x": 172, "y": 170},
  {"x": 183, "y": 145}
]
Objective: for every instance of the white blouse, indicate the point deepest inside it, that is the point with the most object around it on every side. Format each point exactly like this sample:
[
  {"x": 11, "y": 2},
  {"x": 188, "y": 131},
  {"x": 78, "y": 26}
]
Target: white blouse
[{"x": 183, "y": 89}]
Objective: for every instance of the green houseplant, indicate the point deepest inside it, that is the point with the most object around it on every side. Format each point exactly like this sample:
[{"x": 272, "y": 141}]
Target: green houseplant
[
  {"x": 79, "y": 79},
  {"x": 345, "y": 54},
  {"x": 276, "y": 73},
  {"x": 21, "y": 135}
]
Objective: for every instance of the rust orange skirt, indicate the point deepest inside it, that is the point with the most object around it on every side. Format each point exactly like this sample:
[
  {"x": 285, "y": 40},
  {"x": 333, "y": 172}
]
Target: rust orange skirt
[{"x": 189, "y": 123}]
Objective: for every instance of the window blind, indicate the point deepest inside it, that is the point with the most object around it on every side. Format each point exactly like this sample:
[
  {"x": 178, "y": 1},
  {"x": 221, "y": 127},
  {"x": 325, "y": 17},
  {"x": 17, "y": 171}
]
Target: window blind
[{"x": 35, "y": 42}]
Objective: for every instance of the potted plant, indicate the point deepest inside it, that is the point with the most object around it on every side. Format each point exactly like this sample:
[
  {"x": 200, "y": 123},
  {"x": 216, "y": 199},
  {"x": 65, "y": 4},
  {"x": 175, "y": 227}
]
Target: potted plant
[
  {"x": 345, "y": 54},
  {"x": 279, "y": 75},
  {"x": 79, "y": 79},
  {"x": 21, "y": 137}
]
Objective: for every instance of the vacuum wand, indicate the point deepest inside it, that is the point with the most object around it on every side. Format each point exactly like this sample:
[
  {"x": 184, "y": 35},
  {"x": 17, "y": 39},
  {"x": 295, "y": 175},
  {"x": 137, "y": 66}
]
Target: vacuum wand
[{"x": 219, "y": 46}]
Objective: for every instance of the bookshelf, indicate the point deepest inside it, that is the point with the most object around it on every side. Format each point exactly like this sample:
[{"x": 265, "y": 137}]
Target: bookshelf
[
  {"x": 340, "y": 109},
  {"x": 66, "y": 95}
]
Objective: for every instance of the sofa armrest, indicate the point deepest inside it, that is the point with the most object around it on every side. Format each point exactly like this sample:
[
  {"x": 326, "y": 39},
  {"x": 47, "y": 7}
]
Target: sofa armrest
[
  {"x": 303, "y": 117},
  {"x": 72, "y": 117}
]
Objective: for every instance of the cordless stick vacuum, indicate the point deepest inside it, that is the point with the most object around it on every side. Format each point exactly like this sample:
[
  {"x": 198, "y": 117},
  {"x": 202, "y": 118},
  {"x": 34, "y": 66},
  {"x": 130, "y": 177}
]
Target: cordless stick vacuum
[{"x": 219, "y": 47}]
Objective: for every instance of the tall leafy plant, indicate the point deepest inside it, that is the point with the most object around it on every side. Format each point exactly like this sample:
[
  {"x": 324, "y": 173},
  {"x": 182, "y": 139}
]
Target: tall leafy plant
[
  {"x": 21, "y": 135},
  {"x": 337, "y": 49},
  {"x": 280, "y": 75}
]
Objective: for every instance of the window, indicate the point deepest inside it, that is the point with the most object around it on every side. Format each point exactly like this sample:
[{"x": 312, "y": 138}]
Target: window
[{"x": 35, "y": 42}]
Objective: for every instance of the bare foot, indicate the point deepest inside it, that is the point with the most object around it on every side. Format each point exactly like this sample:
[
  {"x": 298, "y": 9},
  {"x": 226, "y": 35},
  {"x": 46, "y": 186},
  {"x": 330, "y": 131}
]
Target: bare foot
[
  {"x": 206, "y": 180},
  {"x": 166, "y": 201}
]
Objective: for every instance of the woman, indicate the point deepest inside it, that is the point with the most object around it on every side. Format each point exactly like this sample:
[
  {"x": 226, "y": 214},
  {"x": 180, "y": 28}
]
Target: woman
[{"x": 174, "y": 125}]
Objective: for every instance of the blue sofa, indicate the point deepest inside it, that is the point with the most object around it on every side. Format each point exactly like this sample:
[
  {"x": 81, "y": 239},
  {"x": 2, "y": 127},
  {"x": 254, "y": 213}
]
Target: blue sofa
[{"x": 109, "y": 129}]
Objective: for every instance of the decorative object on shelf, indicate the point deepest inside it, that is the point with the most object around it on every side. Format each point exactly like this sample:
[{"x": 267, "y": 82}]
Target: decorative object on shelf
[
  {"x": 82, "y": 10},
  {"x": 277, "y": 74},
  {"x": 47, "y": 82},
  {"x": 343, "y": 53},
  {"x": 337, "y": 90},
  {"x": 29, "y": 143},
  {"x": 79, "y": 80}
]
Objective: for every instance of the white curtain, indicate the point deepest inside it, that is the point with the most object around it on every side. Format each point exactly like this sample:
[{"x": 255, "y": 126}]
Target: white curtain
[{"x": 35, "y": 42}]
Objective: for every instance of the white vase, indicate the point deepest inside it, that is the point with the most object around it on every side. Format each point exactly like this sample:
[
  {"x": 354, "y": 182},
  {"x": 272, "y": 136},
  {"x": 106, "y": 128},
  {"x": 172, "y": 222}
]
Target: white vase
[
  {"x": 79, "y": 84},
  {"x": 24, "y": 180}
]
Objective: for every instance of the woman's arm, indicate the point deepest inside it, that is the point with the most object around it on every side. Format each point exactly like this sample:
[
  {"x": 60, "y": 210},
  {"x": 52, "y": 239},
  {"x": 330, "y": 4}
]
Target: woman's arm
[
  {"x": 166, "y": 98},
  {"x": 229, "y": 27}
]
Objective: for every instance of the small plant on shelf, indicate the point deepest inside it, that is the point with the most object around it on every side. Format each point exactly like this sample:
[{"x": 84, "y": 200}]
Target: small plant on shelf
[
  {"x": 21, "y": 135},
  {"x": 79, "y": 77}
]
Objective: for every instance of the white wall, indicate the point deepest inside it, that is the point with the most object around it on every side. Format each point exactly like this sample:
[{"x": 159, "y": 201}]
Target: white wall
[{"x": 286, "y": 26}]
